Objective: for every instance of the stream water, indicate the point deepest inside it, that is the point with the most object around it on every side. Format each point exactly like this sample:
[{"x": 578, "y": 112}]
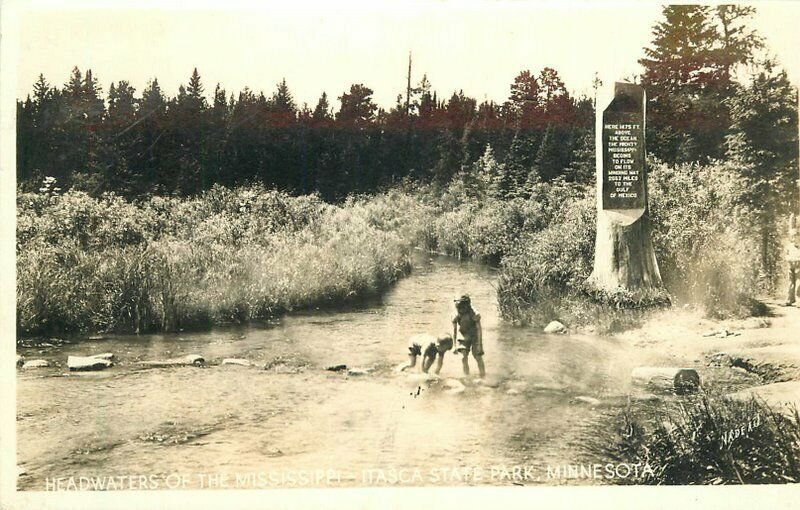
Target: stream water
[{"x": 237, "y": 426}]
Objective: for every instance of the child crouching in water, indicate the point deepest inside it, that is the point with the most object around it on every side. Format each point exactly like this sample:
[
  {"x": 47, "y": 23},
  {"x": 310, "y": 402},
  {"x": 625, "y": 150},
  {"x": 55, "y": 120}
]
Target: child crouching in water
[{"x": 434, "y": 349}]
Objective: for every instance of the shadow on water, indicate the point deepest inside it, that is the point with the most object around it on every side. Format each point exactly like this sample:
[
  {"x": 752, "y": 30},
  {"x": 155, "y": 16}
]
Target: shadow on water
[{"x": 543, "y": 397}]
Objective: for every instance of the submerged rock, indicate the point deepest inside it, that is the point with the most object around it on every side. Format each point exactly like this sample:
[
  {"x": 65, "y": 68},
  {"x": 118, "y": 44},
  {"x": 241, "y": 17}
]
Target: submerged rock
[
  {"x": 555, "y": 327},
  {"x": 188, "y": 360},
  {"x": 36, "y": 363},
  {"x": 236, "y": 361},
  {"x": 288, "y": 364},
  {"x": 358, "y": 371},
  {"x": 453, "y": 386}
]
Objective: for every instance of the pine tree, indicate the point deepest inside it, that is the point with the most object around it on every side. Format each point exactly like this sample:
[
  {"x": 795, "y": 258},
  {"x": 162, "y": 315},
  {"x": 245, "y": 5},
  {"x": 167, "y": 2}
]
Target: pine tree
[
  {"x": 449, "y": 158},
  {"x": 195, "y": 90},
  {"x": 322, "y": 112},
  {"x": 548, "y": 162},
  {"x": 582, "y": 165},
  {"x": 524, "y": 102},
  {"x": 490, "y": 174},
  {"x": 763, "y": 140},
  {"x": 680, "y": 59},
  {"x": 687, "y": 77},
  {"x": 357, "y": 108}
]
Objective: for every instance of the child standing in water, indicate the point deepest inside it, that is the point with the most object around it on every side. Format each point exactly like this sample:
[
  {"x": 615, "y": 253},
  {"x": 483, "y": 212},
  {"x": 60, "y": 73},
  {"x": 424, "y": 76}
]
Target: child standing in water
[{"x": 468, "y": 321}]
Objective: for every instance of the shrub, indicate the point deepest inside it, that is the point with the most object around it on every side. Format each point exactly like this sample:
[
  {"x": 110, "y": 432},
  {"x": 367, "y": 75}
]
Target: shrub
[
  {"x": 710, "y": 440},
  {"x": 703, "y": 238},
  {"x": 229, "y": 255},
  {"x": 549, "y": 263}
]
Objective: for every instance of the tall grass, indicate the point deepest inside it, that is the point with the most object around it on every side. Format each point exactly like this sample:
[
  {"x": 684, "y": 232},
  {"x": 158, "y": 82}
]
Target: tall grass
[
  {"x": 232, "y": 255},
  {"x": 709, "y": 440},
  {"x": 104, "y": 264}
]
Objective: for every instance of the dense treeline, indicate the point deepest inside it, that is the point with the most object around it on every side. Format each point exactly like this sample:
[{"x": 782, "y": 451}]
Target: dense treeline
[{"x": 147, "y": 144}]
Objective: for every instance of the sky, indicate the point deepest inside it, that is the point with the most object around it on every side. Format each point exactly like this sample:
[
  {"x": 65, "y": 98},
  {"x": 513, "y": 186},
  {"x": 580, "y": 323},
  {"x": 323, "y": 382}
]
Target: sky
[{"x": 477, "y": 46}]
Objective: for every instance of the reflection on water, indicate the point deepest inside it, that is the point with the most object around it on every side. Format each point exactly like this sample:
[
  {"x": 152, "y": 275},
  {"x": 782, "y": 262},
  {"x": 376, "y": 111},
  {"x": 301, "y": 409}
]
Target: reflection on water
[{"x": 298, "y": 416}]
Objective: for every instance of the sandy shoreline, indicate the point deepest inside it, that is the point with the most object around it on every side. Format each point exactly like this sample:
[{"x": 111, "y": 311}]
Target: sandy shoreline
[{"x": 757, "y": 355}]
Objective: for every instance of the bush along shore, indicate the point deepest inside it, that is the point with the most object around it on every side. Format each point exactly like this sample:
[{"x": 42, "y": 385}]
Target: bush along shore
[
  {"x": 107, "y": 265},
  {"x": 231, "y": 255},
  {"x": 541, "y": 236}
]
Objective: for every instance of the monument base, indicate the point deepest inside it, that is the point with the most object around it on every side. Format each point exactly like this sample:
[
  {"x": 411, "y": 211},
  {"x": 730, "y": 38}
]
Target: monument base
[{"x": 625, "y": 270}]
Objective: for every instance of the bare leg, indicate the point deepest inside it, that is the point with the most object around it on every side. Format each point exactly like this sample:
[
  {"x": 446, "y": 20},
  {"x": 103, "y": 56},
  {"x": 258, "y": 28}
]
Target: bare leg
[
  {"x": 427, "y": 361},
  {"x": 465, "y": 362},
  {"x": 412, "y": 360},
  {"x": 481, "y": 367},
  {"x": 439, "y": 361}
]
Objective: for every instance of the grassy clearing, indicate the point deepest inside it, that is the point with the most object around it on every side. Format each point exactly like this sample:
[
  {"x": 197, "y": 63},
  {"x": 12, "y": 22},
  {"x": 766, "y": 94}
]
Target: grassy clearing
[{"x": 86, "y": 264}]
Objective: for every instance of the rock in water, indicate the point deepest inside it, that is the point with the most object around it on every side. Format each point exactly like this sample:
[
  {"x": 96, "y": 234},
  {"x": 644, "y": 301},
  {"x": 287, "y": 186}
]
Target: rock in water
[
  {"x": 359, "y": 371},
  {"x": 36, "y": 363},
  {"x": 336, "y": 368},
  {"x": 20, "y": 360},
  {"x": 236, "y": 361},
  {"x": 555, "y": 327},
  {"x": 453, "y": 386},
  {"x": 104, "y": 355},
  {"x": 87, "y": 363},
  {"x": 421, "y": 377},
  {"x": 189, "y": 359},
  {"x": 588, "y": 400},
  {"x": 666, "y": 379}
]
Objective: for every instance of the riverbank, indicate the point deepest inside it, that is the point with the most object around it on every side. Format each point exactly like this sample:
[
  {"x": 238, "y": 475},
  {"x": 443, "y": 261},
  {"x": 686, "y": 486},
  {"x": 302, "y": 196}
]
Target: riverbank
[
  {"x": 733, "y": 353},
  {"x": 743, "y": 426},
  {"x": 97, "y": 265}
]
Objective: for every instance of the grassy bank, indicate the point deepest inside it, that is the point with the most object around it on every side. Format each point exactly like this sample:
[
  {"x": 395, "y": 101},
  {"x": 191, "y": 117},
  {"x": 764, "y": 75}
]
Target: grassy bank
[
  {"x": 709, "y": 440},
  {"x": 86, "y": 264},
  {"x": 543, "y": 242},
  {"x": 104, "y": 264}
]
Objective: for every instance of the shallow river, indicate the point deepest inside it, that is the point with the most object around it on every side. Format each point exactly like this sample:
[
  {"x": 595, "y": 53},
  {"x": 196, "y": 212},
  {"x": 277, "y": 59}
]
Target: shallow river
[{"x": 279, "y": 426}]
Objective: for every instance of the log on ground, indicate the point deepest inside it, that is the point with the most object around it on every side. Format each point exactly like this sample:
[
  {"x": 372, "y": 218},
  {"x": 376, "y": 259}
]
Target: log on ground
[{"x": 666, "y": 379}]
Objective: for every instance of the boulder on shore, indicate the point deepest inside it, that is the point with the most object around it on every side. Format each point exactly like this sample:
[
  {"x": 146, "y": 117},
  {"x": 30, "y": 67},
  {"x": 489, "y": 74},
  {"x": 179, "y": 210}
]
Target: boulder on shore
[
  {"x": 88, "y": 363},
  {"x": 666, "y": 379},
  {"x": 188, "y": 360},
  {"x": 36, "y": 363},
  {"x": 555, "y": 327}
]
